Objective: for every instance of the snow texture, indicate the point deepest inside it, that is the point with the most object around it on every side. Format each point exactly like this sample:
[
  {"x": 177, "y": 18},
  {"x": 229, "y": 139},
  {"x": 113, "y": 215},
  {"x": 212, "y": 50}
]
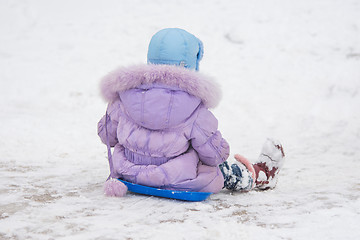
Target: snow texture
[{"x": 288, "y": 70}]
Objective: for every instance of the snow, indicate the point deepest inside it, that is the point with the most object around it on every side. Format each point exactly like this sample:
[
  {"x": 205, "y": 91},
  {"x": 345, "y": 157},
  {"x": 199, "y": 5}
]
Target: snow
[{"x": 288, "y": 69}]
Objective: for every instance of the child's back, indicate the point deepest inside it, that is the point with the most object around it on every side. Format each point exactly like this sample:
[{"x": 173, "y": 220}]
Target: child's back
[{"x": 158, "y": 118}]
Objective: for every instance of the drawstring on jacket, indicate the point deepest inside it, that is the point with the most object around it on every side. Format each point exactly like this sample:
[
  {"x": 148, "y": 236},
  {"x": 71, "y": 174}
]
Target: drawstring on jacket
[{"x": 107, "y": 118}]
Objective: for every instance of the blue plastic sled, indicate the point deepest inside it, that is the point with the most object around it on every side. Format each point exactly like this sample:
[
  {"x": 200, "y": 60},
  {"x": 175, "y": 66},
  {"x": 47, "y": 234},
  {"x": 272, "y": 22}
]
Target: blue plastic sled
[{"x": 173, "y": 194}]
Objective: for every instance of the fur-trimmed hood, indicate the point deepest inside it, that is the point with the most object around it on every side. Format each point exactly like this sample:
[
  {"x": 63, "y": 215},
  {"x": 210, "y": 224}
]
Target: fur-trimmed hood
[{"x": 194, "y": 83}]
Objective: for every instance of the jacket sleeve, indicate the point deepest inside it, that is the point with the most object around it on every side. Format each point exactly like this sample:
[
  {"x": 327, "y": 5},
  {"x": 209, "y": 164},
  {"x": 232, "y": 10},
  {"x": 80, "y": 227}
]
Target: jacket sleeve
[
  {"x": 207, "y": 140},
  {"x": 112, "y": 123}
]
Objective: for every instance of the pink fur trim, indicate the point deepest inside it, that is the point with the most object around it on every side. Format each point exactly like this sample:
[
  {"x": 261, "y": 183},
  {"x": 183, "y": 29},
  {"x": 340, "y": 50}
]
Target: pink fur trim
[
  {"x": 196, "y": 84},
  {"x": 248, "y": 165},
  {"x": 115, "y": 188}
]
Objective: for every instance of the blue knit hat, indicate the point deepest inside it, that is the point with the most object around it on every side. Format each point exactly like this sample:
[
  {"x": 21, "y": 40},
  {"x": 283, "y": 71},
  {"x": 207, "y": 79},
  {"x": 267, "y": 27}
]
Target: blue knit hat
[{"x": 175, "y": 46}]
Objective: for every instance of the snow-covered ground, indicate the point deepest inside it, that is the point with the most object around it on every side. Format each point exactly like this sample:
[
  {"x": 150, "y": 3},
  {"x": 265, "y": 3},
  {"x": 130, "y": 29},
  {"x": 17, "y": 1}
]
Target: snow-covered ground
[{"x": 288, "y": 69}]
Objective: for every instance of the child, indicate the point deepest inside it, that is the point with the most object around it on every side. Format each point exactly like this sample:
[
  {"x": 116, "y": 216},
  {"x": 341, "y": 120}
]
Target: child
[{"x": 162, "y": 132}]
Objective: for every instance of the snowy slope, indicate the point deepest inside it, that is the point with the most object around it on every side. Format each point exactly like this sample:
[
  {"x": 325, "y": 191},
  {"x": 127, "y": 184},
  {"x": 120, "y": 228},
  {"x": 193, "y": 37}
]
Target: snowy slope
[{"x": 288, "y": 69}]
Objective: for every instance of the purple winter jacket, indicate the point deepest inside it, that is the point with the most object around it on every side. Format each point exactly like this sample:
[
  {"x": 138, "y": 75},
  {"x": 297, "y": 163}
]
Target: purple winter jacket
[{"x": 162, "y": 132}]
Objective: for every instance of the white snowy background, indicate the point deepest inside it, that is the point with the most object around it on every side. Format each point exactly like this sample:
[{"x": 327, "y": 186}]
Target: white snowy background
[{"x": 288, "y": 69}]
